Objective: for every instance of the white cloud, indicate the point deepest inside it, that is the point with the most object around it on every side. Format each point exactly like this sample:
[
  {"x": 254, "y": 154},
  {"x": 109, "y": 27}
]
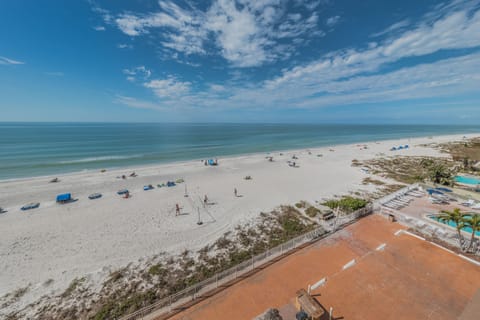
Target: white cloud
[
  {"x": 168, "y": 88},
  {"x": 99, "y": 28},
  {"x": 246, "y": 32},
  {"x": 124, "y": 46},
  {"x": 7, "y": 61},
  {"x": 350, "y": 76},
  {"x": 138, "y": 104},
  {"x": 140, "y": 72},
  {"x": 452, "y": 31},
  {"x": 332, "y": 21},
  {"x": 394, "y": 27}
]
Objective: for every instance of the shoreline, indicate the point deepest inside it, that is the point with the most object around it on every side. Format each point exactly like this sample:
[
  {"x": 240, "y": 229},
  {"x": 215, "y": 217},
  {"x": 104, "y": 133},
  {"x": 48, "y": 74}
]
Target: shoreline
[{"x": 140, "y": 167}]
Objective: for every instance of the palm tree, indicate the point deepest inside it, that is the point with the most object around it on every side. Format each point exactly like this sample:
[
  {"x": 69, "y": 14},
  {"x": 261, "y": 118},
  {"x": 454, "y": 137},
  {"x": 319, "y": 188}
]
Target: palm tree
[
  {"x": 456, "y": 216},
  {"x": 438, "y": 173},
  {"x": 473, "y": 222}
]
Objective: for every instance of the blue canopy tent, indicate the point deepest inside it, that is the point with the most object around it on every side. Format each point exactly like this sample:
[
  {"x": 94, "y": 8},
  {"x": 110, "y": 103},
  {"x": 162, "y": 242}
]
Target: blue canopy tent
[{"x": 64, "y": 197}]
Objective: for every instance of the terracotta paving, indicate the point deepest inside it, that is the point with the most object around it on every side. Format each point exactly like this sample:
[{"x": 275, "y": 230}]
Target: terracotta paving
[{"x": 409, "y": 279}]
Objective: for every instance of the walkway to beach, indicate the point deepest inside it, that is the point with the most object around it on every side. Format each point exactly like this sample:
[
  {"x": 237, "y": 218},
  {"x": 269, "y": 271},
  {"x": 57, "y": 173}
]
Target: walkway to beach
[{"x": 407, "y": 278}]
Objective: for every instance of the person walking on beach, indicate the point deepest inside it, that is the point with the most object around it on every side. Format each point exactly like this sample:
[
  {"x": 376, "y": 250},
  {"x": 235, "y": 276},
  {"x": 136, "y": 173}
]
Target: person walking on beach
[
  {"x": 235, "y": 192},
  {"x": 177, "y": 210},
  {"x": 205, "y": 200}
]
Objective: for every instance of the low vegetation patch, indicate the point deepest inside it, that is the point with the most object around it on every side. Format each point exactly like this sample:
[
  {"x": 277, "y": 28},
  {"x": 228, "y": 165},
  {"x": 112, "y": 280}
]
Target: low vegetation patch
[
  {"x": 347, "y": 204},
  {"x": 376, "y": 182},
  {"x": 73, "y": 286},
  {"x": 414, "y": 169},
  {"x": 312, "y": 212}
]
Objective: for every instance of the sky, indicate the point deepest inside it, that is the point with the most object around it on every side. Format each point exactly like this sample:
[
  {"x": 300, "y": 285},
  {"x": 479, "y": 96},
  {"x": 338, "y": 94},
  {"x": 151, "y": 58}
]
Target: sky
[{"x": 318, "y": 61}]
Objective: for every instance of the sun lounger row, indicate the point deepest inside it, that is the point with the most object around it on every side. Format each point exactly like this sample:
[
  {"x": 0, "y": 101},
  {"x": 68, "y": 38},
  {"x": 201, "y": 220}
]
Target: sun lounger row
[
  {"x": 399, "y": 201},
  {"x": 67, "y": 197}
]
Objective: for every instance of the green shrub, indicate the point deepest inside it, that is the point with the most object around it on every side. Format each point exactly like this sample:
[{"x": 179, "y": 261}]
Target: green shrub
[
  {"x": 312, "y": 212},
  {"x": 300, "y": 205},
  {"x": 157, "y": 270},
  {"x": 347, "y": 204}
]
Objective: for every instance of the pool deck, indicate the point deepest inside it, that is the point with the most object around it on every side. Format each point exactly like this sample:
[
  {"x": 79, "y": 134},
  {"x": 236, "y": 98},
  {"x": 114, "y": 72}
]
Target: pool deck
[
  {"x": 406, "y": 279},
  {"x": 421, "y": 208}
]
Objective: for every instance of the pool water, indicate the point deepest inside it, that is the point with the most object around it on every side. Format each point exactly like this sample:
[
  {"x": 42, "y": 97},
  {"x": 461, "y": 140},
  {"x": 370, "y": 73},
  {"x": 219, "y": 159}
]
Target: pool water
[
  {"x": 454, "y": 225},
  {"x": 467, "y": 180}
]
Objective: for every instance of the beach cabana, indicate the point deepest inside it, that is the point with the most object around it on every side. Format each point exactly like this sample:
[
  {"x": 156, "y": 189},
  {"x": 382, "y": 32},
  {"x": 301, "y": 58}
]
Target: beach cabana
[
  {"x": 400, "y": 148},
  {"x": 393, "y": 149},
  {"x": 64, "y": 197}
]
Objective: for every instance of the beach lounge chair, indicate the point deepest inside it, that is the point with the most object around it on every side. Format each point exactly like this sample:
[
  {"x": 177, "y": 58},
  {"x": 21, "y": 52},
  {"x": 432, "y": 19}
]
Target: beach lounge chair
[
  {"x": 468, "y": 203},
  {"x": 32, "y": 205},
  {"x": 94, "y": 196},
  {"x": 148, "y": 187},
  {"x": 443, "y": 189},
  {"x": 476, "y": 206},
  {"x": 365, "y": 170},
  {"x": 170, "y": 184},
  {"x": 435, "y": 200},
  {"x": 122, "y": 192}
]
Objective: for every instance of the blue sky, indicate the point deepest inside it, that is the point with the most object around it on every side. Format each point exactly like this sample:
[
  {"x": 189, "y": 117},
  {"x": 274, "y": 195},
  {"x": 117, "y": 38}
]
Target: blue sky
[{"x": 240, "y": 61}]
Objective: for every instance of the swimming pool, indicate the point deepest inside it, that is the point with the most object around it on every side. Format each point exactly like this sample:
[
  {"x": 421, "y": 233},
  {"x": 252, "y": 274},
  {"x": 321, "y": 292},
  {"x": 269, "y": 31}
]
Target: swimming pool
[
  {"x": 454, "y": 225},
  {"x": 467, "y": 180}
]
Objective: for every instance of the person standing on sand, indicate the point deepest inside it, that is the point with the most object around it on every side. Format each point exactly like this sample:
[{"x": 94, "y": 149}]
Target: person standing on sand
[
  {"x": 235, "y": 192},
  {"x": 205, "y": 200},
  {"x": 177, "y": 210}
]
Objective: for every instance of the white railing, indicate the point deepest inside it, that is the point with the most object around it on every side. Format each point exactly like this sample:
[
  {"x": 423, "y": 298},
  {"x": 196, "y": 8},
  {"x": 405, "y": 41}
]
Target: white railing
[{"x": 167, "y": 304}]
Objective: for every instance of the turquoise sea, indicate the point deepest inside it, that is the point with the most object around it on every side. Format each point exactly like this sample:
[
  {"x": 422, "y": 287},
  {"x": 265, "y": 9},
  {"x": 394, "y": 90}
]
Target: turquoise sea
[{"x": 35, "y": 149}]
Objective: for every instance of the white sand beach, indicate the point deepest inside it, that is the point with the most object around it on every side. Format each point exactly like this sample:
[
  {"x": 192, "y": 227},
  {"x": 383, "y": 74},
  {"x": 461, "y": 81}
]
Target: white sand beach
[{"x": 88, "y": 237}]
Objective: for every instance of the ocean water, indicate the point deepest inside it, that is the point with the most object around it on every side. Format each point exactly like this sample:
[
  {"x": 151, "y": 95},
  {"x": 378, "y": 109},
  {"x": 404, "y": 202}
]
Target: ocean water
[{"x": 35, "y": 149}]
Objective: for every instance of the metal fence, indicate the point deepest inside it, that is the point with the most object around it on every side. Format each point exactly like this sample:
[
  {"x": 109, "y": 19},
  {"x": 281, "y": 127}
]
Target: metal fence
[{"x": 195, "y": 291}]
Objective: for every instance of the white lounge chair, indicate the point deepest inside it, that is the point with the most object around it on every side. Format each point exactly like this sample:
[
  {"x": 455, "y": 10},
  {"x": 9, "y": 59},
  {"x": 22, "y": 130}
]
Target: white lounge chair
[
  {"x": 476, "y": 206},
  {"x": 468, "y": 203}
]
